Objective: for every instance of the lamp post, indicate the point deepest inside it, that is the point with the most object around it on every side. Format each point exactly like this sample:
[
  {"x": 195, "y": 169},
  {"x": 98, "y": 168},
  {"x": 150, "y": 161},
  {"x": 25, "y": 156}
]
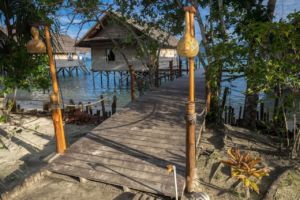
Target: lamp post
[
  {"x": 37, "y": 46},
  {"x": 188, "y": 47}
]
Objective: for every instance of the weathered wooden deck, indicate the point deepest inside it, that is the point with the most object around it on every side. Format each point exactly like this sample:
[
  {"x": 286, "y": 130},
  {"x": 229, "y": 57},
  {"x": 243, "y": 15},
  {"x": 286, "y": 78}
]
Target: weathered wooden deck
[{"x": 133, "y": 147}]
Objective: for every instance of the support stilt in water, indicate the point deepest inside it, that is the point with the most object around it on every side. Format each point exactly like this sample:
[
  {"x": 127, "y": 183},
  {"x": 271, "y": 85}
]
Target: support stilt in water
[
  {"x": 171, "y": 69},
  {"x": 101, "y": 79},
  {"x": 121, "y": 79},
  {"x": 115, "y": 79},
  {"x": 127, "y": 82},
  {"x": 180, "y": 67},
  {"x": 132, "y": 83},
  {"x": 107, "y": 78},
  {"x": 93, "y": 79},
  {"x": 70, "y": 71}
]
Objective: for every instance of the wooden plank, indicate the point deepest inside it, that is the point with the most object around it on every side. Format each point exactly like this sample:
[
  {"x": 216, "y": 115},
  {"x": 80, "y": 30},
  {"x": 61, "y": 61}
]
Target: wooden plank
[
  {"x": 134, "y": 146},
  {"x": 158, "y": 161},
  {"x": 141, "y": 144},
  {"x": 147, "y": 186},
  {"x": 142, "y": 130},
  {"x": 106, "y": 145},
  {"x": 165, "y": 139},
  {"x": 158, "y": 134},
  {"x": 153, "y": 166},
  {"x": 143, "y": 125},
  {"x": 144, "y": 174}
]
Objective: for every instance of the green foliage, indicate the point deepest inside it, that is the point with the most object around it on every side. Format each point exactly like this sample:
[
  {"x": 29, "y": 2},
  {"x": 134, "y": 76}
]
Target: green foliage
[
  {"x": 18, "y": 68},
  {"x": 276, "y": 47}
]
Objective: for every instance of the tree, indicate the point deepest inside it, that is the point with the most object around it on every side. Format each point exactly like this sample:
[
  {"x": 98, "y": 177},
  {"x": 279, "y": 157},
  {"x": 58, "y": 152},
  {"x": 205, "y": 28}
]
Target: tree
[
  {"x": 20, "y": 69},
  {"x": 276, "y": 47}
]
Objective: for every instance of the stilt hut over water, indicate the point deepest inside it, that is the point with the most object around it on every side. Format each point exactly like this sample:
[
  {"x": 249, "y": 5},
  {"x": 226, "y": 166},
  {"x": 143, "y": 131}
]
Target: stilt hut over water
[
  {"x": 68, "y": 57},
  {"x": 113, "y": 32}
]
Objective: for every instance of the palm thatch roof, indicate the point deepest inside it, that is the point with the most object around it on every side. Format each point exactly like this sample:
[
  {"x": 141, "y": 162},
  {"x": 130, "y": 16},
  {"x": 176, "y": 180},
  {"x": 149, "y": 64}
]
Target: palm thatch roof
[
  {"x": 164, "y": 38},
  {"x": 66, "y": 44}
]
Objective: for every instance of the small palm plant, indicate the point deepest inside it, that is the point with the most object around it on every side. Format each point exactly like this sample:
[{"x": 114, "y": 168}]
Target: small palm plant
[{"x": 246, "y": 168}]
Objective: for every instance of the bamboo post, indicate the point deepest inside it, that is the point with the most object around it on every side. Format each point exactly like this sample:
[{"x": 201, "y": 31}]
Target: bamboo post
[
  {"x": 262, "y": 111},
  {"x": 114, "y": 105},
  {"x": 103, "y": 106},
  {"x": 57, "y": 116},
  {"x": 190, "y": 109},
  {"x": 98, "y": 115},
  {"x": 180, "y": 67},
  {"x": 240, "y": 112},
  {"x": 121, "y": 79},
  {"x": 87, "y": 107},
  {"x": 232, "y": 116},
  {"x": 229, "y": 115},
  {"x": 225, "y": 115},
  {"x": 171, "y": 69},
  {"x": 132, "y": 82},
  {"x": 90, "y": 109},
  {"x": 127, "y": 82}
]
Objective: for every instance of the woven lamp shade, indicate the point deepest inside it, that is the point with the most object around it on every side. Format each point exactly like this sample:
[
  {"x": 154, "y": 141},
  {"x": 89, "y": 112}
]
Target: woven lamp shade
[{"x": 188, "y": 46}]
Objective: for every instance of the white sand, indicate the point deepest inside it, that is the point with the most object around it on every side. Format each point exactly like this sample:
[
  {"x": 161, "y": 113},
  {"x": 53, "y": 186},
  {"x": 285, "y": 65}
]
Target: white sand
[{"x": 26, "y": 141}]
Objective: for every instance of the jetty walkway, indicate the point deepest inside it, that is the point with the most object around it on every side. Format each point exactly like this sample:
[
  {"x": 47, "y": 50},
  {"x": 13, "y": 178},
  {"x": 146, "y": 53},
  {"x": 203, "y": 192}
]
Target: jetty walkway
[{"x": 134, "y": 146}]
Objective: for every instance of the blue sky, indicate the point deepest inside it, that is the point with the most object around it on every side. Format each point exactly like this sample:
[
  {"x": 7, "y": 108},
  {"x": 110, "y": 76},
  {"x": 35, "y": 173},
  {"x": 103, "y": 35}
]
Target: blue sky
[{"x": 283, "y": 8}]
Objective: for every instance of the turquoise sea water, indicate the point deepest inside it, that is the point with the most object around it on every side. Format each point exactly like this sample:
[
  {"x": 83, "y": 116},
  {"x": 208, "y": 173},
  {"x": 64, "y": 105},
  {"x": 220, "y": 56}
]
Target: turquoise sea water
[{"x": 81, "y": 89}]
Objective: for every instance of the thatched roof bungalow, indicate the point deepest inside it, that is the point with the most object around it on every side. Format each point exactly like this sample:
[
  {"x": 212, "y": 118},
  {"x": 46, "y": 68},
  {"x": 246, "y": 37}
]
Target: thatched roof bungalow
[
  {"x": 102, "y": 38},
  {"x": 66, "y": 54}
]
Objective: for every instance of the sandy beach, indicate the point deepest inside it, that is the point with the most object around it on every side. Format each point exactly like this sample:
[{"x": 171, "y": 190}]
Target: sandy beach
[{"x": 25, "y": 143}]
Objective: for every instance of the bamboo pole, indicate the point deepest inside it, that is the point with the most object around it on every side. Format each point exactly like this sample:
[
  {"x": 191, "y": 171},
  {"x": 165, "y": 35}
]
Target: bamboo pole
[
  {"x": 190, "y": 112},
  {"x": 56, "y": 113},
  {"x": 180, "y": 67}
]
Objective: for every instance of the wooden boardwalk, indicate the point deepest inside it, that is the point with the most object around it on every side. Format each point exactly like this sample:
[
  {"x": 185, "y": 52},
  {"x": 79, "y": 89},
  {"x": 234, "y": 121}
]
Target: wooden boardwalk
[{"x": 133, "y": 147}]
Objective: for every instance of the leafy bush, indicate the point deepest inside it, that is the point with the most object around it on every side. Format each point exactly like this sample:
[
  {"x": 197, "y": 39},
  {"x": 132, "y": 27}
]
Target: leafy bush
[{"x": 246, "y": 168}]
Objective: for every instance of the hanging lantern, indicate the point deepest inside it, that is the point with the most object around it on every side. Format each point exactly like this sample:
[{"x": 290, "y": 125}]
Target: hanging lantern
[
  {"x": 188, "y": 46},
  {"x": 35, "y": 45}
]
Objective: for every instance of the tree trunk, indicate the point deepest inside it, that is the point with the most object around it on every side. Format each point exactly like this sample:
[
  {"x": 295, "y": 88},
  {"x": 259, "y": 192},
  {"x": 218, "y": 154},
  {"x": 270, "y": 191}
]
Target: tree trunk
[
  {"x": 250, "y": 111},
  {"x": 271, "y": 9}
]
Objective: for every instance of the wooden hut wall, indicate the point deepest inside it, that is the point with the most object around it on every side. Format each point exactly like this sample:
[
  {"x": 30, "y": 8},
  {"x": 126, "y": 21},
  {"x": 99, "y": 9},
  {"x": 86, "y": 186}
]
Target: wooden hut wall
[
  {"x": 101, "y": 62},
  {"x": 167, "y": 55}
]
